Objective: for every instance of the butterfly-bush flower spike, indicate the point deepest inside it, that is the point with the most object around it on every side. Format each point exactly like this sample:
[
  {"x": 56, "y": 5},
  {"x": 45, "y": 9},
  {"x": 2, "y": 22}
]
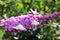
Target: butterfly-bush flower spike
[{"x": 25, "y": 22}]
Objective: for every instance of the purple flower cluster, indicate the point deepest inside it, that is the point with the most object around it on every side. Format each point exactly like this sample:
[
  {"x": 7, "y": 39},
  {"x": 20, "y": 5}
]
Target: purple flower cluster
[
  {"x": 10, "y": 23},
  {"x": 26, "y": 22},
  {"x": 50, "y": 16}
]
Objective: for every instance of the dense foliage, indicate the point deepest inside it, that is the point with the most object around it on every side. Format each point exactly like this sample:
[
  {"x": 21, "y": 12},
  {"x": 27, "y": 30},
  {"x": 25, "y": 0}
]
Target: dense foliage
[{"x": 16, "y": 8}]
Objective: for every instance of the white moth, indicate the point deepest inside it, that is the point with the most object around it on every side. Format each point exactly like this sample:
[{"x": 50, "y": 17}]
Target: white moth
[
  {"x": 19, "y": 27},
  {"x": 35, "y": 23},
  {"x": 1, "y": 25}
]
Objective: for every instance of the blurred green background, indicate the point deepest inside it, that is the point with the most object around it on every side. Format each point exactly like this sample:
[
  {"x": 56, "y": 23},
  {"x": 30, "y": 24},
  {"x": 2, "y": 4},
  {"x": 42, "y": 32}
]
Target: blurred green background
[{"x": 18, "y": 7}]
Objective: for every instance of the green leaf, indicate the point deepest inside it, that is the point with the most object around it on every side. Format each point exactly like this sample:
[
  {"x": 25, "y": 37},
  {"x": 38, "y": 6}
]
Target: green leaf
[
  {"x": 1, "y": 33},
  {"x": 19, "y": 6}
]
